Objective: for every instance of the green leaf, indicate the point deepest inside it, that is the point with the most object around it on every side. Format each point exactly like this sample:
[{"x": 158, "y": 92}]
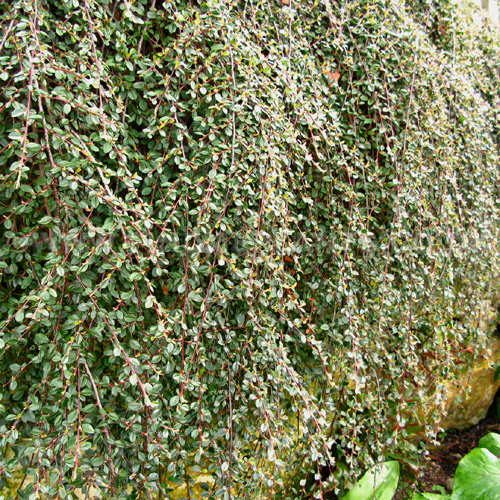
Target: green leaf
[
  {"x": 41, "y": 338},
  {"x": 477, "y": 476},
  {"x": 15, "y": 136},
  {"x": 491, "y": 442},
  {"x": 195, "y": 297},
  {"x": 379, "y": 483},
  {"x": 72, "y": 416},
  {"x": 18, "y": 112},
  {"x": 45, "y": 220},
  {"x": 430, "y": 496},
  {"x": 88, "y": 428},
  {"x": 33, "y": 147}
]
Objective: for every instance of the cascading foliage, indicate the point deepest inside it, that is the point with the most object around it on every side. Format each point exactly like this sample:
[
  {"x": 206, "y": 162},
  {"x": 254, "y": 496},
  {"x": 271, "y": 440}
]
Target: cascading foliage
[{"x": 233, "y": 235}]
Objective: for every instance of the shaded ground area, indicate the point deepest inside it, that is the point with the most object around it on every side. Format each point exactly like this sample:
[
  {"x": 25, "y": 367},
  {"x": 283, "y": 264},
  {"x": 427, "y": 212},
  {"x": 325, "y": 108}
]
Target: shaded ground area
[
  {"x": 440, "y": 469},
  {"x": 454, "y": 447}
]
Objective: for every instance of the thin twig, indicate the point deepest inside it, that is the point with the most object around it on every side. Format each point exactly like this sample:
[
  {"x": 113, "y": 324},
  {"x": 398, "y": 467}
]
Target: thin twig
[
  {"x": 106, "y": 431},
  {"x": 7, "y": 33}
]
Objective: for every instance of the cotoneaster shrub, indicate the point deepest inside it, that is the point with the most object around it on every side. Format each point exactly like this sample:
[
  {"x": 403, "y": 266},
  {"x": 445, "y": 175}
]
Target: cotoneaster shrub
[{"x": 232, "y": 235}]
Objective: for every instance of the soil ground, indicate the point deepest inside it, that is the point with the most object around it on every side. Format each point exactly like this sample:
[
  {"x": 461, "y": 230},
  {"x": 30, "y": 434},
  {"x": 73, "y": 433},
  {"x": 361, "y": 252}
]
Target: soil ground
[{"x": 440, "y": 468}]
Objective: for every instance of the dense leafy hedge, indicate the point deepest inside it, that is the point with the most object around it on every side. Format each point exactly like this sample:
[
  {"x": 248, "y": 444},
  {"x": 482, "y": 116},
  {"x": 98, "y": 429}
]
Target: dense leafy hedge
[{"x": 233, "y": 233}]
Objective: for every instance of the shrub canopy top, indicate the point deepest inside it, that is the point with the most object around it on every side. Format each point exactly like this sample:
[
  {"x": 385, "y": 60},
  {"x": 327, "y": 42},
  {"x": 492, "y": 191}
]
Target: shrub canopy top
[{"x": 233, "y": 233}]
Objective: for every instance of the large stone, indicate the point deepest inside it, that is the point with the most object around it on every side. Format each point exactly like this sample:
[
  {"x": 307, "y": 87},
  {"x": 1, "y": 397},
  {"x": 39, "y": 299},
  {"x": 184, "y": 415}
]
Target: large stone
[
  {"x": 12, "y": 484},
  {"x": 471, "y": 394}
]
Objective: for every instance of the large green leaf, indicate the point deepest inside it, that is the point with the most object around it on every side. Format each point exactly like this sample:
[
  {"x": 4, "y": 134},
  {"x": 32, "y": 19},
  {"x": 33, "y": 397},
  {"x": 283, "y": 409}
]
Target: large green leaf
[
  {"x": 379, "y": 483},
  {"x": 477, "y": 477},
  {"x": 491, "y": 442},
  {"x": 430, "y": 496}
]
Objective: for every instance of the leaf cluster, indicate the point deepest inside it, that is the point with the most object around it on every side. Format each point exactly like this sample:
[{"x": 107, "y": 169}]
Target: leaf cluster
[{"x": 240, "y": 239}]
